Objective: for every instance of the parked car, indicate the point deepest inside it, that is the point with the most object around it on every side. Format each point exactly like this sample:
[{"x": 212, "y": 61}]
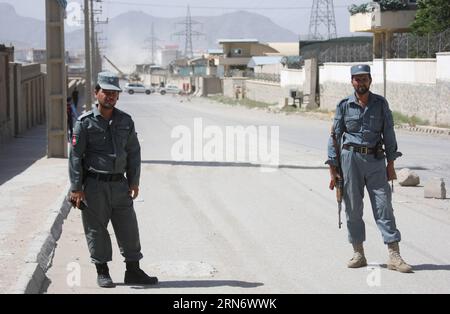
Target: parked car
[
  {"x": 169, "y": 89},
  {"x": 132, "y": 88}
]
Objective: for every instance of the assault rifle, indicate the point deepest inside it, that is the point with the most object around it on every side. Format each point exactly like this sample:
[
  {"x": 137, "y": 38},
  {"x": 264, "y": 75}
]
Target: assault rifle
[{"x": 338, "y": 182}]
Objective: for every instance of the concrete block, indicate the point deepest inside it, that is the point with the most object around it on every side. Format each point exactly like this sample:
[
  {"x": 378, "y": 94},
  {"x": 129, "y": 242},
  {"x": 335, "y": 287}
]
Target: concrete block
[
  {"x": 283, "y": 102},
  {"x": 406, "y": 177},
  {"x": 435, "y": 188}
]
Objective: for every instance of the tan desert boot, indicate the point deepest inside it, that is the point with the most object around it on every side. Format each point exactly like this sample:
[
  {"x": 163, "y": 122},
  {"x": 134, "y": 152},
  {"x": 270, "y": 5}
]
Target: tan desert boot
[
  {"x": 358, "y": 260},
  {"x": 395, "y": 260}
]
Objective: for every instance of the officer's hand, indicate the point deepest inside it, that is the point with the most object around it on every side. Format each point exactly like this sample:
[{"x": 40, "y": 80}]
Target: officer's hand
[
  {"x": 390, "y": 170},
  {"x": 334, "y": 174},
  {"x": 133, "y": 191},
  {"x": 76, "y": 198}
]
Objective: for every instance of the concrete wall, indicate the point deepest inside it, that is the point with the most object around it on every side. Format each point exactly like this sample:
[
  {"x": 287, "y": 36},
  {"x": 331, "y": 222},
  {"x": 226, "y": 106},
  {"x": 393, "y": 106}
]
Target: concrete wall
[
  {"x": 443, "y": 70},
  {"x": 154, "y": 79},
  {"x": 334, "y": 83},
  {"x": 417, "y": 87},
  {"x": 336, "y": 72},
  {"x": 209, "y": 86},
  {"x": 413, "y": 71},
  {"x": 420, "y": 100},
  {"x": 179, "y": 81},
  {"x": 32, "y": 109},
  {"x": 292, "y": 78},
  {"x": 6, "y": 130},
  {"x": 233, "y": 87},
  {"x": 443, "y": 87},
  {"x": 26, "y": 100},
  {"x": 264, "y": 91}
]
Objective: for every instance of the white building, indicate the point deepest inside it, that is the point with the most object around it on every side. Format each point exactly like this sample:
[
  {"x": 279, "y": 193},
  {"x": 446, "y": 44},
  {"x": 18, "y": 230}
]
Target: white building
[{"x": 168, "y": 54}]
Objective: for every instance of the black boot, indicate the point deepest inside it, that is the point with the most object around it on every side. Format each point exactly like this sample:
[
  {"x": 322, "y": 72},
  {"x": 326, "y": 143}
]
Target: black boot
[
  {"x": 103, "y": 278},
  {"x": 136, "y": 276}
]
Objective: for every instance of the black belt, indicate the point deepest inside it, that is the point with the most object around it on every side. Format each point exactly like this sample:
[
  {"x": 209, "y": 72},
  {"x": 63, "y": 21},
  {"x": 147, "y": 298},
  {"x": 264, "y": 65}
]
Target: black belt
[
  {"x": 105, "y": 176},
  {"x": 359, "y": 149}
]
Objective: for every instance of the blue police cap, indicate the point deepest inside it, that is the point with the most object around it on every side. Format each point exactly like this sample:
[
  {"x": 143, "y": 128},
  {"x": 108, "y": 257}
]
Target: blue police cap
[
  {"x": 360, "y": 69},
  {"x": 108, "y": 81}
]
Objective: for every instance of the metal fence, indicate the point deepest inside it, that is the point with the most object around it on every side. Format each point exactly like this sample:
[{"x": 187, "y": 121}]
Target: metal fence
[
  {"x": 404, "y": 45},
  {"x": 353, "y": 53},
  {"x": 407, "y": 45},
  {"x": 341, "y": 53}
]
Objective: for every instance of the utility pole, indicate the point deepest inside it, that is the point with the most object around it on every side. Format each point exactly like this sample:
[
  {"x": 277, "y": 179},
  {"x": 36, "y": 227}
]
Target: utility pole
[
  {"x": 95, "y": 59},
  {"x": 56, "y": 80},
  {"x": 93, "y": 53},
  {"x": 188, "y": 33},
  {"x": 322, "y": 24},
  {"x": 99, "y": 44},
  {"x": 87, "y": 54},
  {"x": 153, "y": 39}
]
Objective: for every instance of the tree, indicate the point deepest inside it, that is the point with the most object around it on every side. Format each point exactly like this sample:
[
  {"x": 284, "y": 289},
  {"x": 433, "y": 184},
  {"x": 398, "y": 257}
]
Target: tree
[{"x": 433, "y": 16}]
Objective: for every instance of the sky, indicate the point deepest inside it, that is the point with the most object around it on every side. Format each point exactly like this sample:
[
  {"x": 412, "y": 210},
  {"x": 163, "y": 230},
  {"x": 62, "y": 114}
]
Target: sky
[{"x": 290, "y": 14}]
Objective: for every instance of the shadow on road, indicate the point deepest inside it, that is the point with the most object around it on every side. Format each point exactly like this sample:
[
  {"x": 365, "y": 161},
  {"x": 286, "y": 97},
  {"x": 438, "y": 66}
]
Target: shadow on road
[
  {"x": 225, "y": 164},
  {"x": 422, "y": 267},
  {"x": 430, "y": 267},
  {"x": 414, "y": 168},
  {"x": 199, "y": 284},
  {"x": 21, "y": 152}
]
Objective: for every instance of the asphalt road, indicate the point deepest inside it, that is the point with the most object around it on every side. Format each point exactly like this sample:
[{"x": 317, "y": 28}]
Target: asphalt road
[{"x": 221, "y": 226}]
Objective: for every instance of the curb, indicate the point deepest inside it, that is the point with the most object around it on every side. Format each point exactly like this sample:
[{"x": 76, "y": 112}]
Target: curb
[
  {"x": 42, "y": 248},
  {"x": 424, "y": 129},
  {"x": 326, "y": 116}
]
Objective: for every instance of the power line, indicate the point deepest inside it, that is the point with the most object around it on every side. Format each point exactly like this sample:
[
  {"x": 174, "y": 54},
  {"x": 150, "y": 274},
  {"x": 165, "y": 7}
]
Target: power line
[
  {"x": 188, "y": 33},
  {"x": 152, "y": 41},
  {"x": 322, "y": 24},
  {"x": 215, "y": 7}
]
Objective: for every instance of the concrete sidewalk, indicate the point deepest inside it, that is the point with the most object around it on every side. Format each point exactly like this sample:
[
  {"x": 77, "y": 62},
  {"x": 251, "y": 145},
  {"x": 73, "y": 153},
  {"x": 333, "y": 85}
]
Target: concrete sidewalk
[{"x": 32, "y": 210}]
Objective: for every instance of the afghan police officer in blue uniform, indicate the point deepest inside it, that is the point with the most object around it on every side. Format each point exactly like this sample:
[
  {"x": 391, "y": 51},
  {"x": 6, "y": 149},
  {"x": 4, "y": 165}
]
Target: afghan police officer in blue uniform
[
  {"x": 363, "y": 122},
  {"x": 104, "y": 149}
]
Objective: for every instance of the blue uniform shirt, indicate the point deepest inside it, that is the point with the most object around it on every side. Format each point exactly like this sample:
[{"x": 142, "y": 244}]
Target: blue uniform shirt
[
  {"x": 102, "y": 146},
  {"x": 364, "y": 127}
]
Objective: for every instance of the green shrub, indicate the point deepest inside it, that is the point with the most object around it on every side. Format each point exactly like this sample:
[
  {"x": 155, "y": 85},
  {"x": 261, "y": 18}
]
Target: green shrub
[
  {"x": 244, "y": 102},
  {"x": 385, "y": 5},
  {"x": 400, "y": 118}
]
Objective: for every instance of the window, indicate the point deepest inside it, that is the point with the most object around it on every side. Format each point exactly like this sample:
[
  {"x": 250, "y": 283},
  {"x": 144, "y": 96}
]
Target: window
[{"x": 237, "y": 51}]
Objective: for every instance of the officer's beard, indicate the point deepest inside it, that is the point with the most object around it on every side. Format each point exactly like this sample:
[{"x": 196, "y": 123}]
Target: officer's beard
[
  {"x": 362, "y": 90},
  {"x": 107, "y": 105}
]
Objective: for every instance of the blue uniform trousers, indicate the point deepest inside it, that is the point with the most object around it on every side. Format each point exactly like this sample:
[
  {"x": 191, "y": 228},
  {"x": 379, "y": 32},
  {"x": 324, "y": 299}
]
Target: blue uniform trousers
[{"x": 366, "y": 171}]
